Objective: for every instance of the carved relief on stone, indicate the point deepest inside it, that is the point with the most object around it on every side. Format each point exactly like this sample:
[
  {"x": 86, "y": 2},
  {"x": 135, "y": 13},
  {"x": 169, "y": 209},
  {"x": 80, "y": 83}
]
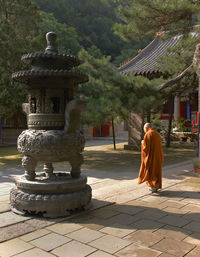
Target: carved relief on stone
[
  {"x": 135, "y": 130},
  {"x": 50, "y": 205}
]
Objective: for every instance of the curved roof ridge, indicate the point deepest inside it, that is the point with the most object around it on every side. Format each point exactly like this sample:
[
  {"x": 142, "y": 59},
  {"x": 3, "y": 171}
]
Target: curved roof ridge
[
  {"x": 126, "y": 63},
  {"x": 147, "y": 60}
]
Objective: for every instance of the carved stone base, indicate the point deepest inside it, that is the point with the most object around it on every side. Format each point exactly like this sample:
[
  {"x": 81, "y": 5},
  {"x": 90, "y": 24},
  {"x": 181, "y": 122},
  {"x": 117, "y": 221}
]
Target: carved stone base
[
  {"x": 32, "y": 197},
  {"x": 61, "y": 183}
]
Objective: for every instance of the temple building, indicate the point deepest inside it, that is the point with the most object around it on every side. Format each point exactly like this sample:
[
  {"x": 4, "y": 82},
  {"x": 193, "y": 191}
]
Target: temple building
[{"x": 146, "y": 63}]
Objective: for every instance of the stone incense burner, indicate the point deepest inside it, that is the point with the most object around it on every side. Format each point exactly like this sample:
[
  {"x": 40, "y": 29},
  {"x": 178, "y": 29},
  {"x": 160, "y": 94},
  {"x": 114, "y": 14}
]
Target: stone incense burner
[{"x": 53, "y": 135}]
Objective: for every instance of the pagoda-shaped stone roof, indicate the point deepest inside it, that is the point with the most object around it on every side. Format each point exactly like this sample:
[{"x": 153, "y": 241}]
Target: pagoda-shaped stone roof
[{"x": 146, "y": 62}]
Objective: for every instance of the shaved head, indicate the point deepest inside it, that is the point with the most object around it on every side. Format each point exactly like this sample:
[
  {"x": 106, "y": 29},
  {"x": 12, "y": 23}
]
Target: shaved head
[{"x": 147, "y": 126}]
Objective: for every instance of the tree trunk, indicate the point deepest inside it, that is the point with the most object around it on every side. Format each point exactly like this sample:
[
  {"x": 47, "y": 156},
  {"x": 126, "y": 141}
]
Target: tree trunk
[
  {"x": 149, "y": 116},
  {"x": 175, "y": 80},
  {"x": 113, "y": 134},
  {"x": 196, "y": 63},
  {"x": 170, "y": 120},
  {"x": 198, "y": 138},
  {"x": 0, "y": 131}
]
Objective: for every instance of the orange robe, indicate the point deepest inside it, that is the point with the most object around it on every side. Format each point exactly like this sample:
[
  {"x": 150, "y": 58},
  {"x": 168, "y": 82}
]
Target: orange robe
[{"x": 152, "y": 160}]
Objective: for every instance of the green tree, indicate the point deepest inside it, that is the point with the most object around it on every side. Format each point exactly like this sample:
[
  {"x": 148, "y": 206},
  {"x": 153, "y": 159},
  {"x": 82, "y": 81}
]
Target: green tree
[
  {"x": 175, "y": 17},
  {"x": 67, "y": 38},
  {"x": 102, "y": 92},
  {"x": 145, "y": 17},
  {"x": 110, "y": 94},
  {"x": 93, "y": 21},
  {"x": 140, "y": 93},
  {"x": 142, "y": 18},
  {"x": 18, "y": 29}
]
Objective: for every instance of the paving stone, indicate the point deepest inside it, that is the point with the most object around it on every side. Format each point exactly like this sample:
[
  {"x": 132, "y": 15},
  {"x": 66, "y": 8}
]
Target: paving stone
[
  {"x": 192, "y": 194},
  {"x": 35, "y": 252},
  {"x": 193, "y": 226},
  {"x": 192, "y": 208},
  {"x": 174, "y": 220},
  {"x": 177, "y": 211},
  {"x": 123, "y": 219},
  {"x": 110, "y": 244},
  {"x": 152, "y": 205},
  {"x": 5, "y": 198},
  {"x": 146, "y": 224},
  {"x": 4, "y": 207},
  {"x": 192, "y": 216},
  {"x": 9, "y": 218},
  {"x": 97, "y": 203},
  {"x": 166, "y": 255},
  {"x": 95, "y": 223},
  {"x": 85, "y": 235},
  {"x": 103, "y": 213},
  {"x": 194, "y": 253},
  {"x": 123, "y": 197},
  {"x": 156, "y": 199},
  {"x": 174, "y": 247},
  {"x": 173, "y": 232},
  {"x": 176, "y": 204},
  {"x": 137, "y": 251},
  {"x": 137, "y": 203},
  {"x": 50, "y": 241},
  {"x": 118, "y": 230},
  {"x": 15, "y": 230},
  {"x": 152, "y": 214},
  {"x": 191, "y": 201},
  {"x": 129, "y": 209},
  {"x": 73, "y": 249},
  {"x": 169, "y": 194},
  {"x": 144, "y": 238},
  {"x": 64, "y": 228},
  {"x": 100, "y": 254},
  {"x": 101, "y": 183},
  {"x": 35, "y": 234},
  {"x": 80, "y": 218},
  {"x": 193, "y": 238},
  {"x": 13, "y": 247},
  {"x": 38, "y": 223}
]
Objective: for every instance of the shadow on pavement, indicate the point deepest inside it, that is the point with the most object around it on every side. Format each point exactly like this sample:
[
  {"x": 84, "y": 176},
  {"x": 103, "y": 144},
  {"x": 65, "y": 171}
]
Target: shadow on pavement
[{"x": 140, "y": 215}]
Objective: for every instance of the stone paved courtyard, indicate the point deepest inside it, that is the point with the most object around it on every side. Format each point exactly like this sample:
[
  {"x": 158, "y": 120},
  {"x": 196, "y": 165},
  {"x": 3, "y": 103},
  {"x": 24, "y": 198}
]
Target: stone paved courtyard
[{"x": 125, "y": 219}]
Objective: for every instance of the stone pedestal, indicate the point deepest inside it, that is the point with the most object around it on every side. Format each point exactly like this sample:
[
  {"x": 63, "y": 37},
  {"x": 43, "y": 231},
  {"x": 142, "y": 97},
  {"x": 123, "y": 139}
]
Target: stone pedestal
[
  {"x": 51, "y": 198},
  {"x": 135, "y": 131}
]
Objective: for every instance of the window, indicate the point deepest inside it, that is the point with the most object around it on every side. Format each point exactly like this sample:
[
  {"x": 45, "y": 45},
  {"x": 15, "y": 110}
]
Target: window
[
  {"x": 33, "y": 105},
  {"x": 56, "y": 104}
]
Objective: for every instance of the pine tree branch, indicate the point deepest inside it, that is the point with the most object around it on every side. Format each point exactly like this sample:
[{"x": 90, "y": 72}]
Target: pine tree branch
[{"x": 176, "y": 79}]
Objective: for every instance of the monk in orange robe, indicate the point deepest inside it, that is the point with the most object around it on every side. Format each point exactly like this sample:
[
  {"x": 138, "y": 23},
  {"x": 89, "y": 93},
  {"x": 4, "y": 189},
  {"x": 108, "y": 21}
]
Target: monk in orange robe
[{"x": 151, "y": 159}]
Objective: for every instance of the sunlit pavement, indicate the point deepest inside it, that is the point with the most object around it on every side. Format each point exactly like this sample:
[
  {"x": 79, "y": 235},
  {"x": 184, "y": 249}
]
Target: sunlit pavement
[{"x": 125, "y": 219}]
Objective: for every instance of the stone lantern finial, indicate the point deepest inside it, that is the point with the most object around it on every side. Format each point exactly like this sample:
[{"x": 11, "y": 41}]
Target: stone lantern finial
[{"x": 51, "y": 43}]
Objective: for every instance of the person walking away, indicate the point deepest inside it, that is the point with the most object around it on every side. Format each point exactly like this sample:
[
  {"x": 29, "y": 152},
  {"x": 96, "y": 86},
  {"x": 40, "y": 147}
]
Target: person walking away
[{"x": 151, "y": 159}]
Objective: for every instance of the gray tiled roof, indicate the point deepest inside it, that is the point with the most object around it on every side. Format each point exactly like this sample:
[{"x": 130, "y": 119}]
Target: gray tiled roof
[{"x": 146, "y": 62}]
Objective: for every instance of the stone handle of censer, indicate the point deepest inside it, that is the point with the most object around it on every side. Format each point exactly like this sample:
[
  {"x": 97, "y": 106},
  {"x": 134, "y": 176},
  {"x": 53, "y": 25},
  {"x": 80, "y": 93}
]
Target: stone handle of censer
[{"x": 72, "y": 116}]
